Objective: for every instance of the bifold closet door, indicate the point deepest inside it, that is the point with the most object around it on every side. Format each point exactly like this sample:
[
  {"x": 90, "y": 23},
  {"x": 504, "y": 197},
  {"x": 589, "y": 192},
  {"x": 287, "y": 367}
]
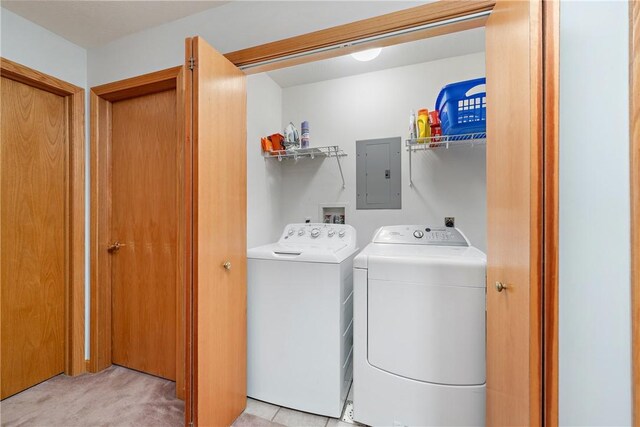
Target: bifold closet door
[
  {"x": 216, "y": 94},
  {"x": 514, "y": 213},
  {"x": 33, "y": 207}
]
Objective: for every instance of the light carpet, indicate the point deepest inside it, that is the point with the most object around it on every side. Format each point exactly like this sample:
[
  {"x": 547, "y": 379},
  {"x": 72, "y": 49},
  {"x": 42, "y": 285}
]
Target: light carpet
[{"x": 114, "y": 397}]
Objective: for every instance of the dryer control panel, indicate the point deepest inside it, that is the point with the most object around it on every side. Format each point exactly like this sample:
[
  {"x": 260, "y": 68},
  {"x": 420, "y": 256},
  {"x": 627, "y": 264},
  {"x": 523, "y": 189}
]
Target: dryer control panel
[
  {"x": 317, "y": 232},
  {"x": 420, "y": 235}
]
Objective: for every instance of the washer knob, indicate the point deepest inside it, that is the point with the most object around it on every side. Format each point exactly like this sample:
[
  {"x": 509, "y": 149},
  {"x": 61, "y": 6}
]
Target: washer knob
[
  {"x": 301, "y": 232},
  {"x": 418, "y": 234},
  {"x": 331, "y": 232},
  {"x": 315, "y": 232},
  {"x": 291, "y": 231},
  {"x": 341, "y": 233}
]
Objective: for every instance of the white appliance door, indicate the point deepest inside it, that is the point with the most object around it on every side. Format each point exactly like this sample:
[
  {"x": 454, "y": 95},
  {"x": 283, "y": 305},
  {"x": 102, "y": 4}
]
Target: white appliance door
[{"x": 432, "y": 333}]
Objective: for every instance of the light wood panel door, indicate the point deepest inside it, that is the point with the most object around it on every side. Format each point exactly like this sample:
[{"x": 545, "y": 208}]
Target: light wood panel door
[
  {"x": 217, "y": 94},
  {"x": 144, "y": 222},
  {"x": 514, "y": 213},
  {"x": 33, "y": 198}
]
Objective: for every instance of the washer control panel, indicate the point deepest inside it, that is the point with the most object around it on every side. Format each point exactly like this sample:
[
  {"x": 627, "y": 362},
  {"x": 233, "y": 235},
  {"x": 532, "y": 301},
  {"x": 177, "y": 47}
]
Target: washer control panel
[
  {"x": 314, "y": 232},
  {"x": 420, "y": 235}
]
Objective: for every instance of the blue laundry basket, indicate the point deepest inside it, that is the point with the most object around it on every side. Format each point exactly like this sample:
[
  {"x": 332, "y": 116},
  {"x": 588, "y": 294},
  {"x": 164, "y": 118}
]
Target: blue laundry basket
[{"x": 463, "y": 110}]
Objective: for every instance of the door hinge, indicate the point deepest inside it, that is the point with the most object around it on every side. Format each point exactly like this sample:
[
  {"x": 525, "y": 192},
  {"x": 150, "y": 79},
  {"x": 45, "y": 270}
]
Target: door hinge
[{"x": 192, "y": 63}]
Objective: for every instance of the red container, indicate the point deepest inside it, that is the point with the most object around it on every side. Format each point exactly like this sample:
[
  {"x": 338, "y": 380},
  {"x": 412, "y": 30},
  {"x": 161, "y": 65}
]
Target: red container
[
  {"x": 436, "y": 133},
  {"x": 434, "y": 118}
]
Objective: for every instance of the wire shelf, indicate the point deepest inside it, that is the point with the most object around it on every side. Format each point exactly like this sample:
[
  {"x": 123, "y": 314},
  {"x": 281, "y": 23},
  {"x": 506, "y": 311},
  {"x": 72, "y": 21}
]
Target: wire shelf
[
  {"x": 310, "y": 153},
  {"x": 300, "y": 153},
  {"x": 446, "y": 141}
]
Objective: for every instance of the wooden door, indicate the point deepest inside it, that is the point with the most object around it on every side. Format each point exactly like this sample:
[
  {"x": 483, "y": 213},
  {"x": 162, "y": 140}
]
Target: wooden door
[
  {"x": 514, "y": 213},
  {"x": 216, "y": 92},
  {"x": 33, "y": 199},
  {"x": 144, "y": 221}
]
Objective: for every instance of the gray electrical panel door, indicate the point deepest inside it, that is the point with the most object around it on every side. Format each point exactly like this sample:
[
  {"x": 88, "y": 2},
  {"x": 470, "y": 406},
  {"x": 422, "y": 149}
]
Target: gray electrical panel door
[{"x": 378, "y": 174}]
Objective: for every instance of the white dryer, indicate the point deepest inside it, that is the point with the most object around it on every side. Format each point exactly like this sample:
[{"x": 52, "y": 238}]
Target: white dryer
[
  {"x": 300, "y": 318},
  {"x": 419, "y": 316}
]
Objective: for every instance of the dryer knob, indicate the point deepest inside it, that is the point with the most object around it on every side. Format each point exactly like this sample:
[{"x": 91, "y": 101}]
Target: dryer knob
[
  {"x": 418, "y": 234},
  {"x": 301, "y": 232},
  {"x": 291, "y": 231},
  {"x": 342, "y": 233},
  {"x": 331, "y": 232},
  {"x": 315, "y": 232}
]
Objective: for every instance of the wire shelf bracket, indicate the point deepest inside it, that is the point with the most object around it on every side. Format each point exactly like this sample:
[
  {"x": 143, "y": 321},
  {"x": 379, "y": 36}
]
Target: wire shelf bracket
[{"x": 443, "y": 142}]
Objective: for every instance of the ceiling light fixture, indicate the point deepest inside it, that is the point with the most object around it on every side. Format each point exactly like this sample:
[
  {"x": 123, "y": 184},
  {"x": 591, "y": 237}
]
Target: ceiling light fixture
[{"x": 367, "y": 55}]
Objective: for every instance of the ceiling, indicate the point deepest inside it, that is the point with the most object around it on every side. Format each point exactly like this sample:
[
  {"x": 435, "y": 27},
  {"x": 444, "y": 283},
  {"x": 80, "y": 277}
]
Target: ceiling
[
  {"x": 425, "y": 50},
  {"x": 91, "y": 23}
]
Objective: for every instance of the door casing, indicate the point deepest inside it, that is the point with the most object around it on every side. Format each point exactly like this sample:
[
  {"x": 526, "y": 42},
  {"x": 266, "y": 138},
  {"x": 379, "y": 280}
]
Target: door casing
[
  {"x": 102, "y": 98},
  {"x": 550, "y": 155},
  {"x": 74, "y": 216}
]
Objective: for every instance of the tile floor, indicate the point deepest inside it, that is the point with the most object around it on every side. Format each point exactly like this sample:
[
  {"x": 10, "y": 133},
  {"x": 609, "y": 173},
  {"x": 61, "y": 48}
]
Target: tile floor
[{"x": 262, "y": 414}]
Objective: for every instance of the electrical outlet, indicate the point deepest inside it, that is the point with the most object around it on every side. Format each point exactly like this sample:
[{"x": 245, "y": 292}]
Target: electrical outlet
[{"x": 449, "y": 221}]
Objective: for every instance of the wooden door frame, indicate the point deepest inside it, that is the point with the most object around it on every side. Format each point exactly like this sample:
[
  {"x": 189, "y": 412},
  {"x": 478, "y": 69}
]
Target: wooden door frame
[
  {"x": 102, "y": 98},
  {"x": 304, "y": 49},
  {"x": 634, "y": 176},
  {"x": 74, "y": 204},
  {"x": 550, "y": 214}
]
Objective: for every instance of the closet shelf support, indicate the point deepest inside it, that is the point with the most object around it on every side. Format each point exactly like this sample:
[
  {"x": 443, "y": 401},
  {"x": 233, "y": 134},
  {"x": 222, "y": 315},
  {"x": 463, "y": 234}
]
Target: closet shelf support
[
  {"x": 339, "y": 166},
  {"x": 410, "y": 175}
]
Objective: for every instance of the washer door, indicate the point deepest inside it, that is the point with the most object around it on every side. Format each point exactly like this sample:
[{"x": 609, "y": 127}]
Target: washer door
[{"x": 432, "y": 333}]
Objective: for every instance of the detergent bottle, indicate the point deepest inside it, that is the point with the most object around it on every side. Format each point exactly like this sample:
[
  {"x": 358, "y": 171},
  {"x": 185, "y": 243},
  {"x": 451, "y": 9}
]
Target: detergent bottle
[{"x": 424, "y": 130}]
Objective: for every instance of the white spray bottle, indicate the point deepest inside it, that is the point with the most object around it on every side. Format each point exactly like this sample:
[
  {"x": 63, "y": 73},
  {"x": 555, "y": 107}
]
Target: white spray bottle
[{"x": 412, "y": 126}]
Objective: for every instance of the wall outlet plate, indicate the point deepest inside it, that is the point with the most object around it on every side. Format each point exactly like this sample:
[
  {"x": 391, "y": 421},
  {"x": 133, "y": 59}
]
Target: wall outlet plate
[{"x": 449, "y": 221}]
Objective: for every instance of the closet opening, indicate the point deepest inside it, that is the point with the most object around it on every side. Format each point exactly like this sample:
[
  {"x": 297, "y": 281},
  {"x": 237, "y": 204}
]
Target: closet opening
[
  {"x": 513, "y": 174},
  {"x": 353, "y": 118}
]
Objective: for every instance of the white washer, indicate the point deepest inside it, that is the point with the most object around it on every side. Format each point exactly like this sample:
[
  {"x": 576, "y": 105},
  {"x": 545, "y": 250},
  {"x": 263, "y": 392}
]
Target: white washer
[
  {"x": 419, "y": 343},
  {"x": 300, "y": 318}
]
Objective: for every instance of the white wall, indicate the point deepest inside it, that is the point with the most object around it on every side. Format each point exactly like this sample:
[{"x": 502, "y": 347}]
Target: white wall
[
  {"x": 595, "y": 352},
  {"x": 264, "y": 115},
  {"x": 377, "y": 105},
  {"x": 29, "y": 44}
]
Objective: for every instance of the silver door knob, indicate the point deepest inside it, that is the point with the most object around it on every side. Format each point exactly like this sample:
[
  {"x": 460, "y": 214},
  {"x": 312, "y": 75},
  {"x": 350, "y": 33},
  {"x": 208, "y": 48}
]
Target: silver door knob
[
  {"x": 500, "y": 286},
  {"x": 227, "y": 265}
]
